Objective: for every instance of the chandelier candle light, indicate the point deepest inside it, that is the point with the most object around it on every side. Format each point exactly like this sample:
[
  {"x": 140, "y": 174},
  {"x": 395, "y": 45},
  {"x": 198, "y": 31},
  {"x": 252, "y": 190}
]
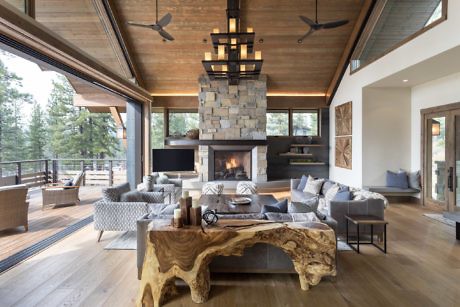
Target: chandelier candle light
[{"x": 232, "y": 49}]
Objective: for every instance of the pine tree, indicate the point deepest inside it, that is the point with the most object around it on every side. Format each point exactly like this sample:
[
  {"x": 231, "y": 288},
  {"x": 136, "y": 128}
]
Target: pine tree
[
  {"x": 12, "y": 139},
  {"x": 37, "y": 135}
]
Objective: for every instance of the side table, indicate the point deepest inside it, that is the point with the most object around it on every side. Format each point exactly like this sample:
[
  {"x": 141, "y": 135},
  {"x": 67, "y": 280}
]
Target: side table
[{"x": 367, "y": 220}]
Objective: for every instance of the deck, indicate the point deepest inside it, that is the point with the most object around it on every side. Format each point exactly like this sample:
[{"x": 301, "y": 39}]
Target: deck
[{"x": 44, "y": 223}]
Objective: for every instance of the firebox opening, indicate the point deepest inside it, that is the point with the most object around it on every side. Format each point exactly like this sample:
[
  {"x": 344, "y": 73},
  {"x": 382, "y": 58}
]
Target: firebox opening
[{"x": 232, "y": 165}]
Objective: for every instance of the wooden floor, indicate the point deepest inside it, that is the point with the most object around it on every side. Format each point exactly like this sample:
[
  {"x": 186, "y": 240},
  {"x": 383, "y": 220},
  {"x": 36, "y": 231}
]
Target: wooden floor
[
  {"x": 44, "y": 223},
  {"x": 422, "y": 268}
]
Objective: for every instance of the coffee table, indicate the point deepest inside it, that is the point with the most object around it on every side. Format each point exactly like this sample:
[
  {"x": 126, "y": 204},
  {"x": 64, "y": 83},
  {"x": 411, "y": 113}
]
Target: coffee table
[
  {"x": 221, "y": 204},
  {"x": 454, "y": 217}
]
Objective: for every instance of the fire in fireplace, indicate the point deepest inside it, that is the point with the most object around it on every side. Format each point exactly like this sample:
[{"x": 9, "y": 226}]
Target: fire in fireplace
[{"x": 232, "y": 165}]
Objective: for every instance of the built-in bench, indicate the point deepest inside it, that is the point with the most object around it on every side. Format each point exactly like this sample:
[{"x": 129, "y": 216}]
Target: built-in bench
[{"x": 396, "y": 194}]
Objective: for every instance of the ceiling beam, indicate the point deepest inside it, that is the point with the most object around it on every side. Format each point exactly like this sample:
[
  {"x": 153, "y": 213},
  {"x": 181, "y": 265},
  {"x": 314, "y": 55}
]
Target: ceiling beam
[
  {"x": 346, "y": 55},
  {"x": 26, "y": 36},
  {"x": 117, "y": 117},
  {"x": 117, "y": 37}
]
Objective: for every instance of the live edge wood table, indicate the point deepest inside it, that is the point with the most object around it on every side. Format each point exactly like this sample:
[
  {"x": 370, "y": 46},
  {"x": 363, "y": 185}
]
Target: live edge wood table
[
  {"x": 186, "y": 253},
  {"x": 367, "y": 220}
]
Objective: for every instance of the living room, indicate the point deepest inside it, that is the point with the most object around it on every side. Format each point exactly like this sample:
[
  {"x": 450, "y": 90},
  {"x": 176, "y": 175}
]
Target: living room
[{"x": 229, "y": 153}]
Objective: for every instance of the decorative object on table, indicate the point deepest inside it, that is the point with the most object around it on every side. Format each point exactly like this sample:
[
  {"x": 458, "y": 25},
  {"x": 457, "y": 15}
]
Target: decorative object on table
[
  {"x": 240, "y": 201},
  {"x": 172, "y": 253},
  {"x": 305, "y": 150},
  {"x": 193, "y": 134},
  {"x": 195, "y": 214},
  {"x": 177, "y": 219},
  {"x": 246, "y": 188},
  {"x": 232, "y": 50},
  {"x": 210, "y": 217},
  {"x": 212, "y": 188},
  {"x": 185, "y": 205}
]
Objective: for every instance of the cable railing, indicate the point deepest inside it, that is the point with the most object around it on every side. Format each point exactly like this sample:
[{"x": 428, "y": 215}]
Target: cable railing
[{"x": 35, "y": 173}]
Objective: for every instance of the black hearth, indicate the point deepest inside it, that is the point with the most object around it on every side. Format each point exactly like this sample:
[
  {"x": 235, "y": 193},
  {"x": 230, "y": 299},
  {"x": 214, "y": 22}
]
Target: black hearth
[{"x": 232, "y": 165}]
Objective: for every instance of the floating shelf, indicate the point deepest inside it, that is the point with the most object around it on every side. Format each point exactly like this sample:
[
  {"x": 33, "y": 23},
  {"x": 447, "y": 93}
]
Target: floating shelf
[
  {"x": 307, "y": 163},
  {"x": 293, "y": 154},
  {"x": 308, "y": 145}
]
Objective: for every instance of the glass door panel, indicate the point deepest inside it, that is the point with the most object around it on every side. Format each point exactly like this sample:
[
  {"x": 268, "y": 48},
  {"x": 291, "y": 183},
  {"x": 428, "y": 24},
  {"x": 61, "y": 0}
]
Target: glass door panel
[
  {"x": 456, "y": 202},
  {"x": 437, "y": 171}
]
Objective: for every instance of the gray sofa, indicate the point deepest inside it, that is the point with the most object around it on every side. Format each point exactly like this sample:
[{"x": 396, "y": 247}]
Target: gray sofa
[{"x": 338, "y": 209}]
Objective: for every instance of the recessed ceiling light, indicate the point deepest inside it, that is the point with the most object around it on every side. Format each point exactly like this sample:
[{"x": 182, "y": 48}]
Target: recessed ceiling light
[{"x": 405, "y": 80}]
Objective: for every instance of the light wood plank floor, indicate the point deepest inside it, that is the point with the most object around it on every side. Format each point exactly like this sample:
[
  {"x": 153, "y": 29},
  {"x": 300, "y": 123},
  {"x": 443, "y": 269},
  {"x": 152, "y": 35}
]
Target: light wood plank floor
[
  {"x": 44, "y": 223},
  {"x": 422, "y": 268}
]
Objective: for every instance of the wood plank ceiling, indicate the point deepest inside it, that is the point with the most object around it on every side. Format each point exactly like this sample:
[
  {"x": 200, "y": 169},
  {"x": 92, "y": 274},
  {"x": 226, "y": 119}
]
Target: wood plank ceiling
[{"x": 172, "y": 68}]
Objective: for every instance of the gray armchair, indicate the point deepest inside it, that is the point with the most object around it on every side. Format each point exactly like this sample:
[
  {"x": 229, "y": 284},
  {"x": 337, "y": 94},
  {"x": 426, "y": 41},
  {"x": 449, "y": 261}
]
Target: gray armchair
[{"x": 172, "y": 189}]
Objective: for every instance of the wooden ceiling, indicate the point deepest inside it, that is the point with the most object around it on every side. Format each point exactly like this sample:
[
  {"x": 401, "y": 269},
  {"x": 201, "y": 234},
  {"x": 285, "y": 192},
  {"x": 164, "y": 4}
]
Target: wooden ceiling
[{"x": 172, "y": 68}]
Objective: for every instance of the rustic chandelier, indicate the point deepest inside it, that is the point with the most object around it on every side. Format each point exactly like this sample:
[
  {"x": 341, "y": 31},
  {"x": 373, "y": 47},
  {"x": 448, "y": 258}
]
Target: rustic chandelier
[{"x": 232, "y": 49}]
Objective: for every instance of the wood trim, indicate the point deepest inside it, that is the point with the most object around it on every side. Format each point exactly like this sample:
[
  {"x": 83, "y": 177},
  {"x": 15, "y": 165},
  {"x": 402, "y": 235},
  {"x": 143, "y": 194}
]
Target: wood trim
[
  {"x": 439, "y": 109},
  {"x": 350, "y": 46},
  {"x": 116, "y": 116},
  {"x": 146, "y": 139},
  {"x": 29, "y": 8},
  {"x": 39, "y": 42},
  {"x": 407, "y": 39},
  {"x": 122, "y": 41}
]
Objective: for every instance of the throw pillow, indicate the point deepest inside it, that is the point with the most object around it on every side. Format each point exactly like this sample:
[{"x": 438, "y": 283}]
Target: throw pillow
[
  {"x": 148, "y": 182},
  {"x": 414, "y": 180},
  {"x": 397, "y": 180},
  {"x": 131, "y": 197},
  {"x": 68, "y": 184},
  {"x": 302, "y": 183},
  {"x": 313, "y": 185},
  {"x": 113, "y": 194},
  {"x": 280, "y": 207},
  {"x": 330, "y": 194},
  {"x": 342, "y": 195},
  {"x": 162, "y": 179},
  {"x": 278, "y": 217},
  {"x": 304, "y": 217},
  {"x": 326, "y": 186},
  {"x": 310, "y": 205}
]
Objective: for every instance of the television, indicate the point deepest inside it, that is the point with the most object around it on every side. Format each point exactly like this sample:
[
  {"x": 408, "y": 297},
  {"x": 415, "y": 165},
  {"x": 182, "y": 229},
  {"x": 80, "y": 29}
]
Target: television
[{"x": 173, "y": 160}]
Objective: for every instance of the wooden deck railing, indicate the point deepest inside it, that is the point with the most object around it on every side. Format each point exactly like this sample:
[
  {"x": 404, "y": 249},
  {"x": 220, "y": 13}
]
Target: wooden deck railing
[{"x": 34, "y": 173}]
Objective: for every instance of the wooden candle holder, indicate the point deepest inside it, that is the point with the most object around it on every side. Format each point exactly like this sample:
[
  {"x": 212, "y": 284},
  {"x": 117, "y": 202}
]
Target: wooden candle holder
[
  {"x": 195, "y": 216},
  {"x": 177, "y": 222},
  {"x": 185, "y": 206}
]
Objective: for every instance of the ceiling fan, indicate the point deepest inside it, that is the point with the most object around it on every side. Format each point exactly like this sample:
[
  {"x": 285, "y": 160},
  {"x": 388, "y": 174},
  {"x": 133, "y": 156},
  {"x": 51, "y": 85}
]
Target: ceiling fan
[
  {"x": 158, "y": 25},
  {"x": 315, "y": 26}
]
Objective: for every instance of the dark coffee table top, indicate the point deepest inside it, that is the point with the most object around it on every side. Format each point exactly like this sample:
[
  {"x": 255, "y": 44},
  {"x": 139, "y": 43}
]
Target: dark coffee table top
[{"x": 221, "y": 203}]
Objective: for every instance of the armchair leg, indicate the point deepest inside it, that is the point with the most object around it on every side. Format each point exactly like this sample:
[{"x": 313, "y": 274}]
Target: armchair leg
[{"x": 99, "y": 236}]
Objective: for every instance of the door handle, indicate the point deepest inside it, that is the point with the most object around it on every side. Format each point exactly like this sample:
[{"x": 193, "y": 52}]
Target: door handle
[{"x": 450, "y": 179}]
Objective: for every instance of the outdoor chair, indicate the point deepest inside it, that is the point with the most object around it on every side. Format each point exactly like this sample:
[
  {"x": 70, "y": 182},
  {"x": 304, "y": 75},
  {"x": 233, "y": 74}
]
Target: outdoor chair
[
  {"x": 14, "y": 207},
  {"x": 59, "y": 194}
]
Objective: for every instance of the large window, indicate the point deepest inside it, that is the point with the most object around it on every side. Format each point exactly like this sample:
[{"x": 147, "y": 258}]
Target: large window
[
  {"x": 158, "y": 126},
  {"x": 182, "y": 121},
  {"x": 278, "y": 123},
  {"x": 393, "y": 23},
  {"x": 305, "y": 122}
]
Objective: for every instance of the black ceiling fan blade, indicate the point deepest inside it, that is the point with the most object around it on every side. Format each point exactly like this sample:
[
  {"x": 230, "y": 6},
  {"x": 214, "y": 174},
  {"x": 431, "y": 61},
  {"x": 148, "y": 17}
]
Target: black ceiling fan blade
[
  {"x": 166, "y": 35},
  {"x": 139, "y": 24},
  {"x": 334, "y": 24},
  {"x": 165, "y": 20},
  {"x": 300, "y": 40},
  {"x": 307, "y": 20}
]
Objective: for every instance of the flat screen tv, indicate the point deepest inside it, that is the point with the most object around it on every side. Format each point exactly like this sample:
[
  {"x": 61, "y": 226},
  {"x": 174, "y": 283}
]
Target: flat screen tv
[{"x": 173, "y": 160}]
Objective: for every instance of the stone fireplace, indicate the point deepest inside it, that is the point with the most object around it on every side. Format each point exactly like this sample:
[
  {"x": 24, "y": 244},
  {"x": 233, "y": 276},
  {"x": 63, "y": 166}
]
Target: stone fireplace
[{"x": 228, "y": 114}]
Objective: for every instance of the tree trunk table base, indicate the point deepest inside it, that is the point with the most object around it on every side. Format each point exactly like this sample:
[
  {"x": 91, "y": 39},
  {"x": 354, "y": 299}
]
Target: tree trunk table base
[{"x": 186, "y": 253}]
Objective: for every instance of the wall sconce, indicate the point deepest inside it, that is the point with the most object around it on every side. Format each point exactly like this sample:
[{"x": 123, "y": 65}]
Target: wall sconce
[{"x": 435, "y": 128}]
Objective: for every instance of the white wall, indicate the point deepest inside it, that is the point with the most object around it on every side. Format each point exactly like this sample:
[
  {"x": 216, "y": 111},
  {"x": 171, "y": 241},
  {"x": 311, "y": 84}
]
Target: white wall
[
  {"x": 435, "y": 93},
  {"x": 439, "y": 39},
  {"x": 386, "y": 133}
]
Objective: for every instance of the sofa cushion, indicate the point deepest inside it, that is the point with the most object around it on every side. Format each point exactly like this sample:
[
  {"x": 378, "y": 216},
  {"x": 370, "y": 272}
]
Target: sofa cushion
[
  {"x": 326, "y": 186},
  {"x": 300, "y": 196},
  {"x": 397, "y": 180},
  {"x": 343, "y": 195},
  {"x": 313, "y": 185},
  {"x": 414, "y": 180},
  {"x": 112, "y": 194},
  {"x": 280, "y": 207},
  {"x": 131, "y": 197},
  {"x": 292, "y": 217},
  {"x": 302, "y": 183},
  {"x": 309, "y": 205}
]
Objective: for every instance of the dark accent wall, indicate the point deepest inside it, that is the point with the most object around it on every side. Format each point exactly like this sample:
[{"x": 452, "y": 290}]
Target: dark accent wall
[{"x": 279, "y": 168}]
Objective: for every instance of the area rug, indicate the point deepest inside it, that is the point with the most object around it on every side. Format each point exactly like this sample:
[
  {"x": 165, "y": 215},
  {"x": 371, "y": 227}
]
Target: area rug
[
  {"x": 127, "y": 241},
  {"x": 440, "y": 218}
]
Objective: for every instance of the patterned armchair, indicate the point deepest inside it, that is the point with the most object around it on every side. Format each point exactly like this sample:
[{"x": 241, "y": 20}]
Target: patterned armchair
[
  {"x": 173, "y": 188},
  {"x": 120, "y": 208}
]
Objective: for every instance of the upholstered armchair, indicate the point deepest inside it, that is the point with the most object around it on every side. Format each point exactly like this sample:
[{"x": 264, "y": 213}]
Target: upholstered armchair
[
  {"x": 14, "y": 207},
  {"x": 60, "y": 194},
  {"x": 172, "y": 189}
]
